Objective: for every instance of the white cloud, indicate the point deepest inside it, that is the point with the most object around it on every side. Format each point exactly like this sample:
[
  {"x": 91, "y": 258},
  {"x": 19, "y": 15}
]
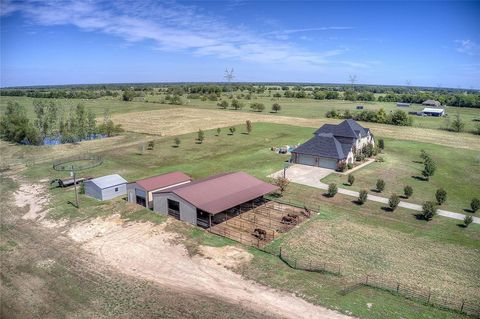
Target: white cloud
[
  {"x": 175, "y": 27},
  {"x": 467, "y": 47}
]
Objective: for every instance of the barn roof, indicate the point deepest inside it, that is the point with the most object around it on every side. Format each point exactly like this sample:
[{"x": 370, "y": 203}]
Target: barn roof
[
  {"x": 162, "y": 181},
  {"x": 221, "y": 192},
  {"x": 108, "y": 181}
]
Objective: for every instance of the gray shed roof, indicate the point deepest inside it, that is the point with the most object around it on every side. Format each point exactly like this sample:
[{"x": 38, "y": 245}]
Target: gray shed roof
[{"x": 108, "y": 181}]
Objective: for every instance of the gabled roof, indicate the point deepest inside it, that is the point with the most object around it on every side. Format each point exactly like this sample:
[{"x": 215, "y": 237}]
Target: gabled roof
[
  {"x": 348, "y": 128},
  {"x": 162, "y": 181},
  {"x": 221, "y": 192},
  {"x": 108, "y": 181},
  {"x": 325, "y": 145}
]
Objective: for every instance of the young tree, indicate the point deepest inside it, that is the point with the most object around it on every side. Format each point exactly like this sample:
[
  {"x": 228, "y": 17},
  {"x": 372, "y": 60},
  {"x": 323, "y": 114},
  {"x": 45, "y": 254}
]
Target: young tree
[
  {"x": 362, "y": 196},
  {"x": 475, "y": 205},
  {"x": 276, "y": 107},
  {"x": 232, "y": 130},
  {"x": 408, "y": 191},
  {"x": 223, "y": 104},
  {"x": 440, "y": 196},
  {"x": 16, "y": 127},
  {"x": 429, "y": 169},
  {"x": 281, "y": 183},
  {"x": 332, "y": 190},
  {"x": 393, "y": 201},
  {"x": 457, "y": 124},
  {"x": 177, "y": 142},
  {"x": 351, "y": 179},
  {"x": 200, "y": 136},
  {"x": 425, "y": 156},
  {"x": 381, "y": 144},
  {"x": 467, "y": 220},
  {"x": 429, "y": 209},
  {"x": 218, "y": 131},
  {"x": 248, "y": 126},
  {"x": 91, "y": 123},
  {"x": 380, "y": 185}
]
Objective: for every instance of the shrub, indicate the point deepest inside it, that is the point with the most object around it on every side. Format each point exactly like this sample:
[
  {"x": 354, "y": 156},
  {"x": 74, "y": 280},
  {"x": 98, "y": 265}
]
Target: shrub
[
  {"x": 457, "y": 125},
  {"x": 441, "y": 196},
  {"x": 223, "y": 104},
  {"x": 425, "y": 156},
  {"x": 232, "y": 130},
  {"x": 408, "y": 191},
  {"x": 236, "y": 104},
  {"x": 331, "y": 114},
  {"x": 276, "y": 107},
  {"x": 177, "y": 141},
  {"x": 248, "y": 126},
  {"x": 393, "y": 201},
  {"x": 367, "y": 150},
  {"x": 349, "y": 166},
  {"x": 362, "y": 196},
  {"x": 475, "y": 204},
  {"x": 282, "y": 183},
  {"x": 360, "y": 157},
  {"x": 467, "y": 220},
  {"x": 380, "y": 159},
  {"x": 82, "y": 188},
  {"x": 429, "y": 209},
  {"x": 380, "y": 185},
  {"x": 218, "y": 131},
  {"x": 351, "y": 179},
  {"x": 429, "y": 169},
  {"x": 332, "y": 190},
  {"x": 257, "y": 107},
  {"x": 381, "y": 144},
  {"x": 151, "y": 145},
  {"x": 341, "y": 166},
  {"x": 200, "y": 136}
]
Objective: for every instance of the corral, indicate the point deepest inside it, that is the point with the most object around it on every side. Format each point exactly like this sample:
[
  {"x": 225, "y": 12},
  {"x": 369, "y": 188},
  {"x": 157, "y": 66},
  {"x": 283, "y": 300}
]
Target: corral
[{"x": 258, "y": 223}]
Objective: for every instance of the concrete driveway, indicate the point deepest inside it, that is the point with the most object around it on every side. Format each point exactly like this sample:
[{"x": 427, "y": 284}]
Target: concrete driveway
[{"x": 306, "y": 175}]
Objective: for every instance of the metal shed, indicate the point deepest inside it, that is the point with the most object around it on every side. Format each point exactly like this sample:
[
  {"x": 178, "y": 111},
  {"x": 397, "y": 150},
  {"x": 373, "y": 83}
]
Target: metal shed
[{"x": 106, "y": 187}]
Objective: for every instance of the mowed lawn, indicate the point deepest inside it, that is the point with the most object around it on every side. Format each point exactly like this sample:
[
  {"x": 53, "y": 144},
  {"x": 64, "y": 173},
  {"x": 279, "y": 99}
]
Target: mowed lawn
[
  {"x": 396, "y": 246},
  {"x": 458, "y": 172}
]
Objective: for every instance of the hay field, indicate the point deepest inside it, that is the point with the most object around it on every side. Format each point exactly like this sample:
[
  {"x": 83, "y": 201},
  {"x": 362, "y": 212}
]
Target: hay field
[{"x": 184, "y": 120}]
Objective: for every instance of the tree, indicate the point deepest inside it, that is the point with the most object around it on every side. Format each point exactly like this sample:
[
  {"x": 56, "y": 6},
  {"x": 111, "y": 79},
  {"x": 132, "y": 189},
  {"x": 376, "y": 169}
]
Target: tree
[
  {"x": 232, "y": 130},
  {"x": 475, "y": 205},
  {"x": 257, "y": 107},
  {"x": 200, "y": 136},
  {"x": 91, "y": 123},
  {"x": 457, "y": 124},
  {"x": 128, "y": 95},
  {"x": 399, "y": 117},
  {"x": 425, "y": 156},
  {"x": 393, "y": 201},
  {"x": 223, "y": 104},
  {"x": 332, "y": 190},
  {"x": 429, "y": 209},
  {"x": 351, "y": 179},
  {"x": 177, "y": 142},
  {"x": 467, "y": 220},
  {"x": 429, "y": 169},
  {"x": 282, "y": 183},
  {"x": 380, "y": 185},
  {"x": 236, "y": 104},
  {"x": 46, "y": 117},
  {"x": 248, "y": 126},
  {"x": 362, "y": 196},
  {"x": 408, "y": 191},
  {"x": 381, "y": 144},
  {"x": 276, "y": 107},
  {"x": 441, "y": 196},
  {"x": 16, "y": 127},
  {"x": 218, "y": 131}
]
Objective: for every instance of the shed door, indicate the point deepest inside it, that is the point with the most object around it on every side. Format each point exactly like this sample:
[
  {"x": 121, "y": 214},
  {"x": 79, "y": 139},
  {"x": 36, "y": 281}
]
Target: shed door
[
  {"x": 327, "y": 162},
  {"x": 306, "y": 160}
]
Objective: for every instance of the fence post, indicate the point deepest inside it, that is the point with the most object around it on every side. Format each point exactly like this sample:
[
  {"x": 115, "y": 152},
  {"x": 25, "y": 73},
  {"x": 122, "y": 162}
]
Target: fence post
[
  {"x": 366, "y": 280},
  {"x": 429, "y": 294},
  {"x": 463, "y": 304},
  {"x": 339, "y": 270},
  {"x": 295, "y": 263},
  {"x": 280, "y": 252},
  {"x": 310, "y": 265},
  {"x": 398, "y": 287}
]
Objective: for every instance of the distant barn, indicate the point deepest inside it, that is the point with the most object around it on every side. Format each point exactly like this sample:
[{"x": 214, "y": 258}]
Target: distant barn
[
  {"x": 433, "y": 112},
  {"x": 432, "y": 103}
]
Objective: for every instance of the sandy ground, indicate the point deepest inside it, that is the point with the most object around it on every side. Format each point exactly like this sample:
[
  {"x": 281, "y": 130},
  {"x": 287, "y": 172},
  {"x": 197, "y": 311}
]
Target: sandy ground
[
  {"x": 33, "y": 196},
  {"x": 148, "y": 251},
  {"x": 186, "y": 120}
]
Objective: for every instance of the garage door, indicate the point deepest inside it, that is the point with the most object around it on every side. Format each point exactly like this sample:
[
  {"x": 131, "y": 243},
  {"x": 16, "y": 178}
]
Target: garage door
[
  {"x": 327, "y": 162},
  {"x": 306, "y": 160}
]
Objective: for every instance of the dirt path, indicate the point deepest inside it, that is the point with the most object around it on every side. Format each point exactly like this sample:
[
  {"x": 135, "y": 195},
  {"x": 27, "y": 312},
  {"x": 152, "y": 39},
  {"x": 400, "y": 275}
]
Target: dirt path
[{"x": 148, "y": 251}]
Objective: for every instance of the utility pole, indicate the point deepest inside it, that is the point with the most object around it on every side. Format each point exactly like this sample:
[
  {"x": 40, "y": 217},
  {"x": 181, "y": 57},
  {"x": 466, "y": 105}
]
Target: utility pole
[
  {"x": 352, "y": 79},
  {"x": 75, "y": 186}
]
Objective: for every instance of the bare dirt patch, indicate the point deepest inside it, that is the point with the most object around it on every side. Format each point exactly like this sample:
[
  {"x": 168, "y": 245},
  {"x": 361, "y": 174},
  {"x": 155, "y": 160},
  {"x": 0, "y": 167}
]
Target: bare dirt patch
[
  {"x": 33, "y": 196},
  {"x": 145, "y": 250},
  {"x": 186, "y": 120},
  {"x": 227, "y": 256}
]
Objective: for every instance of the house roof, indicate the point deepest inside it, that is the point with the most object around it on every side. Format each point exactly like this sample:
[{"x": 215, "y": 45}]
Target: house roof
[
  {"x": 108, "y": 181},
  {"x": 348, "y": 128},
  {"x": 221, "y": 192},
  {"x": 325, "y": 145},
  {"x": 162, "y": 181},
  {"x": 431, "y": 102}
]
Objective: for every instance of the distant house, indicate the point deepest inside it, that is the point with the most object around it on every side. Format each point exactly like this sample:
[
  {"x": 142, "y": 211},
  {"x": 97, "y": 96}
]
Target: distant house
[
  {"x": 106, "y": 187},
  {"x": 207, "y": 201},
  {"x": 141, "y": 191},
  {"x": 333, "y": 144},
  {"x": 432, "y": 103},
  {"x": 401, "y": 104},
  {"x": 433, "y": 112}
]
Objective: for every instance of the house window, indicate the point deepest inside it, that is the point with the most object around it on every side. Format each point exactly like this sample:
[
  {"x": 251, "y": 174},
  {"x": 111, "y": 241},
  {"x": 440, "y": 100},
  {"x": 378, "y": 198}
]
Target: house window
[{"x": 116, "y": 189}]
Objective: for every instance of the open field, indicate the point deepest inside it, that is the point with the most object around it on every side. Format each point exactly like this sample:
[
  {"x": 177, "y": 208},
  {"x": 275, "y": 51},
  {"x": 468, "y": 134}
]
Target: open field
[
  {"x": 298, "y": 108},
  {"x": 458, "y": 175}
]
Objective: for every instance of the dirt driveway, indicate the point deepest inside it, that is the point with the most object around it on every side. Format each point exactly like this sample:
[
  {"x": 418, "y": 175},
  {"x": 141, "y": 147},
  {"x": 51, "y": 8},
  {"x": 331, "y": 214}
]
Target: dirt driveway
[{"x": 305, "y": 175}]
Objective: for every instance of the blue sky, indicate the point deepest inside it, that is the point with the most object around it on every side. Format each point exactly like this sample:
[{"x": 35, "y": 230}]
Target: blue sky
[{"x": 71, "y": 42}]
